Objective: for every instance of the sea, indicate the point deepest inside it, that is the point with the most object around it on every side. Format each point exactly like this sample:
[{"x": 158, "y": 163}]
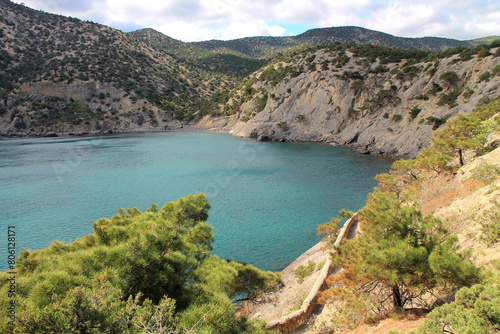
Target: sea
[{"x": 266, "y": 198}]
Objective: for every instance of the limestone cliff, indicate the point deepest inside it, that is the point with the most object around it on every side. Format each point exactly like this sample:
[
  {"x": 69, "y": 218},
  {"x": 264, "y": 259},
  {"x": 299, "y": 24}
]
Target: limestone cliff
[{"x": 376, "y": 107}]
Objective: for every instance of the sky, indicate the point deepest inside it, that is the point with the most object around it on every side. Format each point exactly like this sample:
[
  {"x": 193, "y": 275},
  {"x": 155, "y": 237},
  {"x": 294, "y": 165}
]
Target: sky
[{"x": 199, "y": 20}]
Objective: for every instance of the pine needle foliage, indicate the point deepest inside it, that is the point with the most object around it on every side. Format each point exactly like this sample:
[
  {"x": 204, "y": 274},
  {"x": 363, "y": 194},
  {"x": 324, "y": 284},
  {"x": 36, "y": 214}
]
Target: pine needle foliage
[{"x": 139, "y": 272}]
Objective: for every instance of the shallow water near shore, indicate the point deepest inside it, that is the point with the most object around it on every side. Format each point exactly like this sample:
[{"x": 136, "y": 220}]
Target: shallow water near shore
[{"x": 267, "y": 198}]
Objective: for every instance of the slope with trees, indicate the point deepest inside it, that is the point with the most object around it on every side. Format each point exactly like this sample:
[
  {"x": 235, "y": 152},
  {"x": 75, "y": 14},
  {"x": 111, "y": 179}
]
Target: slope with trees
[
  {"x": 380, "y": 100},
  {"x": 44, "y": 55},
  {"x": 416, "y": 247},
  {"x": 139, "y": 272},
  {"x": 267, "y": 47},
  {"x": 232, "y": 64}
]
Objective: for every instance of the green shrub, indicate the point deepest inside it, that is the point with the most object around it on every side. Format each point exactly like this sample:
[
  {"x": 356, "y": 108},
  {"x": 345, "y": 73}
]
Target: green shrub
[
  {"x": 301, "y": 118},
  {"x": 435, "y": 121},
  {"x": 260, "y": 102},
  {"x": 486, "y": 76},
  {"x": 304, "y": 271},
  {"x": 138, "y": 272},
  {"x": 486, "y": 173},
  {"x": 490, "y": 222},
  {"x": 282, "y": 125},
  {"x": 475, "y": 310},
  {"x": 436, "y": 88},
  {"x": 450, "y": 77},
  {"x": 415, "y": 111},
  {"x": 450, "y": 98}
]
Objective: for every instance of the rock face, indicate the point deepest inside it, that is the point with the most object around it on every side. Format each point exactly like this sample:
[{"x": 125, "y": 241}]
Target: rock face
[
  {"x": 387, "y": 109},
  {"x": 78, "y": 91}
]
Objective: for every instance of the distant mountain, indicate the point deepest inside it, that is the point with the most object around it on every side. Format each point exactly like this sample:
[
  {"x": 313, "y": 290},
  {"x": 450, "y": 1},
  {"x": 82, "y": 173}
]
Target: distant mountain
[
  {"x": 264, "y": 47},
  {"x": 484, "y": 40},
  {"x": 367, "y": 36},
  {"x": 227, "y": 62},
  {"x": 257, "y": 47}
]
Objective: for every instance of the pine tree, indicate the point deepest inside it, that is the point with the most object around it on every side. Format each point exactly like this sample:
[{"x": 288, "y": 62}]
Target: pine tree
[{"x": 401, "y": 254}]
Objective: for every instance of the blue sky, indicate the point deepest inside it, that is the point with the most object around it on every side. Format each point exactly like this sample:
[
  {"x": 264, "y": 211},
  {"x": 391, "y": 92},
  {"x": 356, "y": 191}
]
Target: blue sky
[{"x": 196, "y": 20}]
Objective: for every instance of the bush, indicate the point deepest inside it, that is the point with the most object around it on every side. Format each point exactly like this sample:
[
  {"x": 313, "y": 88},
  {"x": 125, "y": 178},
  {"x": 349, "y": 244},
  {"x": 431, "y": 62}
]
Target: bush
[
  {"x": 435, "y": 121},
  {"x": 304, "y": 271},
  {"x": 282, "y": 125},
  {"x": 397, "y": 118},
  {"x": 436, "y": 88},
  {"x": 450, "y": 98},
  {"x": 490, "y": 221},
  {"x": 301, "y": 118},
  {"x": 486, "y": 76},
  {"x": 260, "y": 102},
  {"x": 475, "y": 310},
  {"x": 415, "y": 111},
  {"x": 450, "y": 77}
]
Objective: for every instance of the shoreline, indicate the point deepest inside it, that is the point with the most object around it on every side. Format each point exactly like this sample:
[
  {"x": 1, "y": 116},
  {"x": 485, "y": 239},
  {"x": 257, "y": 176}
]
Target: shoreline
[
  {"x": 166, "y": 129},
  {"x": 83, "y": 134}
]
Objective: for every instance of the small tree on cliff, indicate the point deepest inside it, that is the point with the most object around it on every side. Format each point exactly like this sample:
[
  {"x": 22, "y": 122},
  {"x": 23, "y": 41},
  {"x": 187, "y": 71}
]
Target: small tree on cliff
[
  {"x": 401, "y": 254},
  {"x": 464, "y": 133}
]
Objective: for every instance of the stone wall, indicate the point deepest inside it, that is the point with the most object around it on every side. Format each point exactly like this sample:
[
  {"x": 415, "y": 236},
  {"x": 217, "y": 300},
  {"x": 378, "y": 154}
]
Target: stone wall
[{"x": 293, "y": 320}]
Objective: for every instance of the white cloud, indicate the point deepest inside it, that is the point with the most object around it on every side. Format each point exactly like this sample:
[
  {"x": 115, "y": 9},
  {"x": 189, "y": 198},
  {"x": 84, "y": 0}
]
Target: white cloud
[{"x": 191, "y": 20}]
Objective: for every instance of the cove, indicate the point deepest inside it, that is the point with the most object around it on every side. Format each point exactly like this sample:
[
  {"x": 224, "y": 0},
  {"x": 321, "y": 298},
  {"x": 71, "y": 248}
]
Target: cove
[{"x": 267, "y": 198}]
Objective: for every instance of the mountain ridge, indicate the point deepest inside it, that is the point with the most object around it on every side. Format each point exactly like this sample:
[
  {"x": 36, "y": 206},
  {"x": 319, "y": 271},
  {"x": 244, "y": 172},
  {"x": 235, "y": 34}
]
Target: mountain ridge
[
  {"x": 256, "y": 46},
  {"x": 371, "y": 98},
  {"x": 66, "y": 76}
]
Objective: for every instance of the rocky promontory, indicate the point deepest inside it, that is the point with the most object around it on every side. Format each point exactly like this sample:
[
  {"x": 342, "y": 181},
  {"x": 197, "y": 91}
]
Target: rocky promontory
[{"x": 378, "y": 107}]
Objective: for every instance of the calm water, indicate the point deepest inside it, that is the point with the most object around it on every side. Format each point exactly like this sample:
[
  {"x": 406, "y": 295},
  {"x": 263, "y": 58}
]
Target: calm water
[{"x": 267, "y": 198}]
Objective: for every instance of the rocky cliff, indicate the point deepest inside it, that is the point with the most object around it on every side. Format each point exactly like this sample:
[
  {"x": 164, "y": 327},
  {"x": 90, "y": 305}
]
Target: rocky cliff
[{"x": 376, "y": 106}]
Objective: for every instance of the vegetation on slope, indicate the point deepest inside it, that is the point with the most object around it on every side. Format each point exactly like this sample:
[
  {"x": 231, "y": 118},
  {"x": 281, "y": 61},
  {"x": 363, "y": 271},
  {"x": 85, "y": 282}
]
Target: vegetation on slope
[
  {"x": 139, "y": 272},
  {"x": 39, "y": 47},
  {"x": 161, "y": 79},
  {"x": 233, "y": 65},
  {"x": 268, "y": 47},
  {"x": 406, "y": 257},
  {"x": 372, "y": 62}
]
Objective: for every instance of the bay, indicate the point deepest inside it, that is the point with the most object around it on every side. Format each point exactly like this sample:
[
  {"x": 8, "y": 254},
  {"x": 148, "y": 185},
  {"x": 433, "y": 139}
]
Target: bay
[{"x": 267, "y": 198}]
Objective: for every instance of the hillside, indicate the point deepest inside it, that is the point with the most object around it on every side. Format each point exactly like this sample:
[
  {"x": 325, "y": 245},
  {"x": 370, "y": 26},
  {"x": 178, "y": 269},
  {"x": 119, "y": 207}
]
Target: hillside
[
  {"x": 429, "y": 230},
  {"x": 233, "y": 64},
  {"x": 377, "y": 99},
  {"x": 484, "y": 40},
  {"x": 60, "y": 74},
  {"x": 464, "y": 195},
  {"x": 267, "y": 47}
]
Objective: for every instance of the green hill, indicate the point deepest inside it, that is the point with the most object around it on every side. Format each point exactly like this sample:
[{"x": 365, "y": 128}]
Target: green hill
[
  {"x": 265, "y": 47},
  {"x": 61, "y": 74},
  {"x": 484, "y": 40},
  {"x": 56, "y": 69},
  {"x": 234, "y": 64}
]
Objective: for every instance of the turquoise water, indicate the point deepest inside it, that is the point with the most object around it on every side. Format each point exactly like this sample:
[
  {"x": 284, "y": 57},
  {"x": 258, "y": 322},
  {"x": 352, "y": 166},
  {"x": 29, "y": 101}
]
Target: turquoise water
[{"x": 267, "y": 198}]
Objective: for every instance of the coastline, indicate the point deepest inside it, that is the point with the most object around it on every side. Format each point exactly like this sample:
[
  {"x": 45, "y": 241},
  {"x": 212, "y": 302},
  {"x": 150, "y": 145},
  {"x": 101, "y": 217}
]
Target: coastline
[{"x": 64, "y": 134}]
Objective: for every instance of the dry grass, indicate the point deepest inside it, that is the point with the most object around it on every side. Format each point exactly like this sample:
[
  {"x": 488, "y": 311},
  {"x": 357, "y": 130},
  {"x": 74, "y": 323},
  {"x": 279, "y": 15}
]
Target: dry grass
[{"x": 439, "y": 191}]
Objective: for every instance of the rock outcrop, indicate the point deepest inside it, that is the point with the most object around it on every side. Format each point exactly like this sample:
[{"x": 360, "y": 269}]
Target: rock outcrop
[{"x": 387, "y": 109}]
